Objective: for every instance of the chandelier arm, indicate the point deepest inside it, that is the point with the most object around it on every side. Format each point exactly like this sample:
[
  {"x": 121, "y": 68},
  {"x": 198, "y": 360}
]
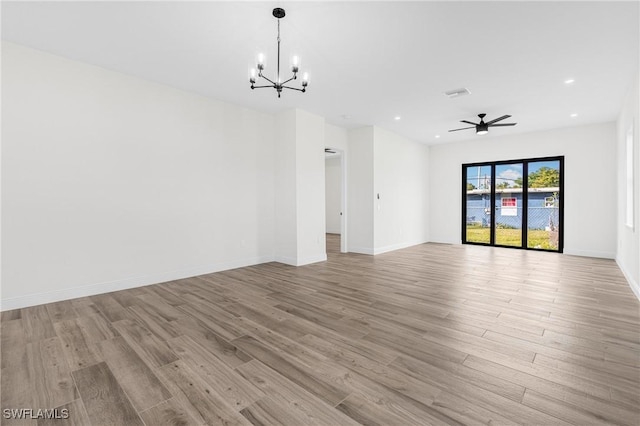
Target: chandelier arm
[
  {"x": 292, "y": 78},
  {"x": 261, "y": 87},
  {"x": 267, "y": 78},
  {"x": 293, "y": 88}
]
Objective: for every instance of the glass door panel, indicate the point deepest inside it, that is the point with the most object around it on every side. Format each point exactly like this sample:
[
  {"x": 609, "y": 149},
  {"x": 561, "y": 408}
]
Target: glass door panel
[
  {"x": 543, "y": 206},
  {"x": 508, "y": 205},
  {"x": 478, "y": 204}
]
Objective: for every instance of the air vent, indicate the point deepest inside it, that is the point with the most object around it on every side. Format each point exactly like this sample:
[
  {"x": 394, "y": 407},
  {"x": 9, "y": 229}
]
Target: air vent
[{"x": 457, "y": 92}]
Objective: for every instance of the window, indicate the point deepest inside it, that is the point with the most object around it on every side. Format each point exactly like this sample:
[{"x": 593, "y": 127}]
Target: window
[{"x": 629, "y": 181}]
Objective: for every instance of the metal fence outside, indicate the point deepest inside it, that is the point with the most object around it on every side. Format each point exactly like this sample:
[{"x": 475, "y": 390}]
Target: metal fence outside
[{"x": 538, "y": 218}]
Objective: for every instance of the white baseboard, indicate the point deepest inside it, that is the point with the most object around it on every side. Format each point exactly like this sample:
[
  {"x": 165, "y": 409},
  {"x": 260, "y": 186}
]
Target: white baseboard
[
  {"x": 294, "y": 261},
  {"x": 635, "y": 287},
  {"x": 312, "y": 259},
  {"x": 394, "y": 247},
  {"x": 286, "y": 260},
  {"x": 123, "y": 284},
  {"x": 444, "y": 240},
  {"x": 360, "y": 250},
  {"x": 385, "y": 249},
  {"x": 590, "y": 253},
  {"x": 573, "y": 252}
]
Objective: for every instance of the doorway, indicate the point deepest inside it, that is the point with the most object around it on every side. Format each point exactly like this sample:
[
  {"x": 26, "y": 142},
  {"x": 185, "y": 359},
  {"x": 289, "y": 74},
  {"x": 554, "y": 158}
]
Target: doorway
[
  {"x": 515, "y": 203},
  {"x": 335, "y": 199}
]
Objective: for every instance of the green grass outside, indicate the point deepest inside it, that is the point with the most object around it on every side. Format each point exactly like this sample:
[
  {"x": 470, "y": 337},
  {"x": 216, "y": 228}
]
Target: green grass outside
[{"x": 510, "y": 237}]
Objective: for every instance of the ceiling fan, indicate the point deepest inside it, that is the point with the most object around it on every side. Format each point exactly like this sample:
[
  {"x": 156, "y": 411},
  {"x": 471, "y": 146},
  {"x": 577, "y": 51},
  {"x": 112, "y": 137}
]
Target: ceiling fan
[{"x": 482, "y": 128}]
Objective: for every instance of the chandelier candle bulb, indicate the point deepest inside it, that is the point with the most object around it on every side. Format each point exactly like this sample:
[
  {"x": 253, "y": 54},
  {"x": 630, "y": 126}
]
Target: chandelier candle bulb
[
  {"x": 260, "y": 61},
  {"x": 305, "y": 79},
  {"x": 252, "y": 75},
  {"x": 295, "y": 64}
]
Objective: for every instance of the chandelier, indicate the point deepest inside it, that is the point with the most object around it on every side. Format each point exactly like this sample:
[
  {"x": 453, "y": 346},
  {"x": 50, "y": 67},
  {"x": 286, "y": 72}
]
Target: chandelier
[{"x": 278, "y": 84}]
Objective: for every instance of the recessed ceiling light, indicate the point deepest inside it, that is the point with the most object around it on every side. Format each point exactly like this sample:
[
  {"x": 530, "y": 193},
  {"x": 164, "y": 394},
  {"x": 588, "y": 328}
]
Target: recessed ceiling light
[
  {"x": 457, "y": 92},
  {"x": 569, "y": 81},
  {"x": 397, "y": 117},
  {"x": 437, "y": 136},
  {"x": 574, "y": 115}
]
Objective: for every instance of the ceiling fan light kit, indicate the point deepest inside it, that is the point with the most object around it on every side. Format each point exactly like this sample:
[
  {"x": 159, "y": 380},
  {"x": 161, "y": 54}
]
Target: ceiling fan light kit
[
  {"x": 278, "y": 84},
  {"x": 482, "y": 128}
]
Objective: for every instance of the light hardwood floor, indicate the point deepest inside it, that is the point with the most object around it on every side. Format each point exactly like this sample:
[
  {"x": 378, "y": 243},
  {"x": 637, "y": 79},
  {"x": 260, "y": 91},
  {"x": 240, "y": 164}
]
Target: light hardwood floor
[{"x": 432, "y": 334}]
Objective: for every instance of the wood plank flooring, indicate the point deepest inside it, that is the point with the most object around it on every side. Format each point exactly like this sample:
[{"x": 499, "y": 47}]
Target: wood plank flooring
[{"x": 433, "y": 334}]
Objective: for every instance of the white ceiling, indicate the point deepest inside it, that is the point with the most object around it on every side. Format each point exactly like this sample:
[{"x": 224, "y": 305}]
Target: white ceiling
[{"x": 369, "y": 61}]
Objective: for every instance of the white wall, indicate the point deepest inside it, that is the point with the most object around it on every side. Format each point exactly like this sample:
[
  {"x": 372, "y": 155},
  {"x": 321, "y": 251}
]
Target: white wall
[
  {"x": 299, "y": 193},
  {"x": 109, "y": 181},
  {"x": 286, "y": 225},
  {"x": 381, "y": 162},
  {"x": 628, "y": 256},
  {"x": 310, "y": 140},
  {"x": 401, "y": 214},
  {"x": 590, "y": 181},
  {"x": 335, "y": 137},
  {"x": 360, "y": 189},
  {"x": 333, "y": 193}
]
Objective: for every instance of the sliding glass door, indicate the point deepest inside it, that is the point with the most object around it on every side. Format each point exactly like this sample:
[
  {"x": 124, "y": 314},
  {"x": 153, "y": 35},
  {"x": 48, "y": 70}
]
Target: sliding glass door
[{"x": 513, "y": 203}]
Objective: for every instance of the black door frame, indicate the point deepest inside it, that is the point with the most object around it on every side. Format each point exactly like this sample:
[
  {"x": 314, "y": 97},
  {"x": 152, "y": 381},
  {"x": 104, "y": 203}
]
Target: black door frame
[{"x": 525, "y": 201}]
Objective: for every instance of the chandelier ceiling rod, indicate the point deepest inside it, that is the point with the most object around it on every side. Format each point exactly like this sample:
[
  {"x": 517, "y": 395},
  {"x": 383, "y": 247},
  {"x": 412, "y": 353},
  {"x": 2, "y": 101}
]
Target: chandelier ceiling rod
[
  {"x": 278, "y": 71},
  {"x": 278, "y": 84}
]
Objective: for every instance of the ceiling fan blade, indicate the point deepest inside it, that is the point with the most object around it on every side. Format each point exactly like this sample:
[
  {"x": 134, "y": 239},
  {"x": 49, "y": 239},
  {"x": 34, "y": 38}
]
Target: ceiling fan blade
[
  {"x": 464, "y": 128},
  {"x": 498, "y": 119},
  {"x": 502, "y": 124},
  {"x": 468, "y": 122}
]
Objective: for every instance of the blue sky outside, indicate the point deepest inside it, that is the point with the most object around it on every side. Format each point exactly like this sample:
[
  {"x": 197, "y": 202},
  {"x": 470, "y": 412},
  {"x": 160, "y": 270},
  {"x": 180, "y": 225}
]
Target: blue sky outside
[
  {"x": 508, "y": 173},
  {"x": 480, "y": 176}
]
